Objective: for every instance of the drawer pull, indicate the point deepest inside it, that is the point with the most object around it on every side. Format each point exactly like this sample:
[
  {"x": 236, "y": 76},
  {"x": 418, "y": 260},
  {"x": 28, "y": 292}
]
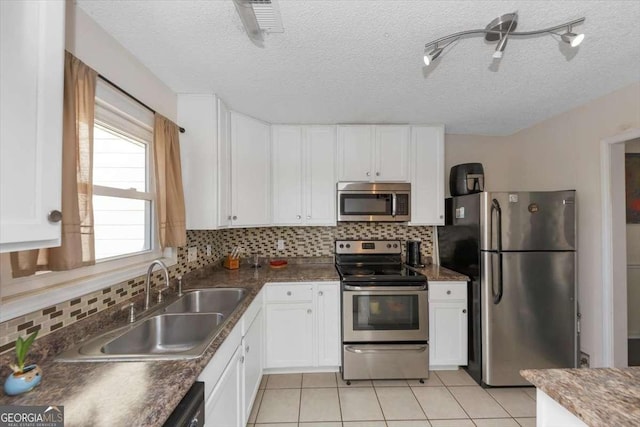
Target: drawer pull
[
  {"x": 448, "y": 292},
  {"x": 309, "y": 311},
  {"x": 464, "y": 311},
  {"x": 320, "y": 293},
  {"x": 288, "y": 293}
]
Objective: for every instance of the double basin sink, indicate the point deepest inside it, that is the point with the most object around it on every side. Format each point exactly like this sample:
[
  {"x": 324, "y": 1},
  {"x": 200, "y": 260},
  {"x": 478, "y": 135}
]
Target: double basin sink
[{"x": 182, "y": 329}]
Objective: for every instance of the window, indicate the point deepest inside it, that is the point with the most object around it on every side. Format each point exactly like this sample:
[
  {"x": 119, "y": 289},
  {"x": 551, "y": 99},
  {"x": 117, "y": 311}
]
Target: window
[
  {"x": 124, "y": 221},
  {"x": 122, "y": 199}
]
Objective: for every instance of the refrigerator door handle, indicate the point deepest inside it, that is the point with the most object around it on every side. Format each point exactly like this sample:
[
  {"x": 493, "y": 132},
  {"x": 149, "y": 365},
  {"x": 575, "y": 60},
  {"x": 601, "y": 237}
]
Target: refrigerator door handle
[{"x": 495, "y": 206}]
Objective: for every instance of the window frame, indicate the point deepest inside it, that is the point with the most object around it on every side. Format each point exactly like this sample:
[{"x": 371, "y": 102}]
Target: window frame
[
  {"x": 151, "y": 238},
  {"x": 24, "y": 295}
]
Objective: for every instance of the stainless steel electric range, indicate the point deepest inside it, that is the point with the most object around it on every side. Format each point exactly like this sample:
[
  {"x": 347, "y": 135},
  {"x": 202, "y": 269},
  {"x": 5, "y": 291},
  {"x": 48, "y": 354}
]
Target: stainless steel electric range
[{"x": 385, "y": 318}]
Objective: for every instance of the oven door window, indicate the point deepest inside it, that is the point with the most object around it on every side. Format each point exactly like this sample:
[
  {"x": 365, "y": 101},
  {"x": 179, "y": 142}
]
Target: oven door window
[
  {"x": 365, "y": 204},
  {"x": 385, "y": 312}
]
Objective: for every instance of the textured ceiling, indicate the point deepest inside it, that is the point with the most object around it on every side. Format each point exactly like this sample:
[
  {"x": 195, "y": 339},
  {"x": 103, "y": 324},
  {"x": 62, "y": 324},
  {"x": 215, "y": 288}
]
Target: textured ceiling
[{"x": 361, "y": 61}]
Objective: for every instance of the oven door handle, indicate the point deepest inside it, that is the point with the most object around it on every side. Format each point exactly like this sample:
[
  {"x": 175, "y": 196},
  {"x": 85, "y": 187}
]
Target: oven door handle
[
  {"x": 385, "y": 288},
  {"x": 414, "y": 348}
]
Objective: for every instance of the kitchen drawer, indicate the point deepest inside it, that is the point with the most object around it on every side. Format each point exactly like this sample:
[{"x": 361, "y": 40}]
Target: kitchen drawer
[
  {"x": 289, "y": 293},
  {"x": 447, "y": 290}
]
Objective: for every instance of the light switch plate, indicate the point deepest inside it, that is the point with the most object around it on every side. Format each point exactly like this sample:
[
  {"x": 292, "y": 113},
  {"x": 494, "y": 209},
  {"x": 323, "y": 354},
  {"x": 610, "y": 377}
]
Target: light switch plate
[
  {"x": 280, "y": 245},
  {"x": 208, "y": 250},
  {"x": 192, "y": 254}
]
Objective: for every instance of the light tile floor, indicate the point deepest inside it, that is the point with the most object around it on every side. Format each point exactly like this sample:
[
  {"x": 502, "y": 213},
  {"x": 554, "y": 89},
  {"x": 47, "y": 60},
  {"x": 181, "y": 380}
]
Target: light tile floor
[{"x": 446, "y": 399}]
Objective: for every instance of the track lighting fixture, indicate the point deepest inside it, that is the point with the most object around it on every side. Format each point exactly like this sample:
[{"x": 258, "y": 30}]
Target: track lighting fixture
[
  {"x": 572, "y": 39},
  {"x": 430, "y": 56},
  {"x": 500, "y": 30}
]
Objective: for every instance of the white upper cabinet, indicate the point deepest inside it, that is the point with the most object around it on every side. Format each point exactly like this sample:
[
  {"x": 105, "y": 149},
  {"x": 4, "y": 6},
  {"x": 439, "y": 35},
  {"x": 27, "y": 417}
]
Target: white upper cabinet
[
  {"x": 287, "y": 175},
  {"x": 320, "y": 175},
  {"x": 355, "y": 153},
  {"x": 373, "y": 153},
  {"x": 250, "y": 171},
  {"x": 224, "y": 165},
  {"x": 303, "y": 172},
  {"x": 199, "y": 155},
  {"x": 427, "y": 175},
  {"x": 32, "y": 70},
  {"x": 392, "y": 153}
]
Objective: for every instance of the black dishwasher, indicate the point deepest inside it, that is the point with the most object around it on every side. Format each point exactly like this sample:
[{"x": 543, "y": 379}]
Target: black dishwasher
[{"x": 190, "y": 410}]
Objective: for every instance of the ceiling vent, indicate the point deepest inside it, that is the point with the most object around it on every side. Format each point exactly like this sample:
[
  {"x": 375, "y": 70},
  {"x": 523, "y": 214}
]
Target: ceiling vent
[
  {"x": 259, "y": 17},
  {"x": 268, "y": 15}
]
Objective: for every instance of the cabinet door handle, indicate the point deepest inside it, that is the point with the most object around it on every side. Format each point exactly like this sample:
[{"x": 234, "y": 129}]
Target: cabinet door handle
[
  {"x": 377, "y": 173},
  {"x": 241, "y": 359},
  {"x": 229, "y": 217},
  {"x": 298, "y": 216},
  {"x": 246, "y": 349},
  {"x": 309, "y": 311},
  {"x": 368, "y": 173},
  {"x": 54, "y": 216},
  {"x": 464, "y": 311},
  {"x": 235, "y": 217},
  {"x": 448, "y": 292},
  {"x": 288, "y": 293},
  {"x": 320, "y": 293},
  {"x": 308, "y": 216}
]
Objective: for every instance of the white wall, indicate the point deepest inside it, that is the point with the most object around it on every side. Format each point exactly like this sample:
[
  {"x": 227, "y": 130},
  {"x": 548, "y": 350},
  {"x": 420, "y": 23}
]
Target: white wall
[
  {"x": 95, "y": 47},
  {"x": 491, "y": 151},
  {"x": 633, "y": 265},
  {"x": 564, "y": 153}
]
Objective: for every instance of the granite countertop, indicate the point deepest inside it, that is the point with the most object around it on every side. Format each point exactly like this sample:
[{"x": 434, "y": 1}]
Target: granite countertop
[
  {"x": 599, "y": 397},
  {"x": 141, "y": 393},
  {"x": 437, "y": 273}
]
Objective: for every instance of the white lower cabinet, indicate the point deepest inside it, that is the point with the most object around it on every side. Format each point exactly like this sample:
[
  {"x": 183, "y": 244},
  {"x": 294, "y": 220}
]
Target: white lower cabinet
[
  {"x": 289, "y": 335},
  {"x": 232, "y": 377},
  {"x": 448, "y": 325},
  {"x": 329, "y": 315},
  {"x": 550, "y": 413},
  {"x": 223, "y": 407},
  {"x": 252, "y": 350},
  {"x": 302, "y": 325}
]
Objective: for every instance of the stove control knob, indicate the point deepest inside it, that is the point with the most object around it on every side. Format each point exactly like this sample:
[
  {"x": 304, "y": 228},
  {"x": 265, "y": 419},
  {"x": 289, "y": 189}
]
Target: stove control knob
[
  {"x": 395, "y": 245},
  {"x": 389, "y": 245},
  {"x": 341, "y": 246},
  {"x": 348, "y": 245}
]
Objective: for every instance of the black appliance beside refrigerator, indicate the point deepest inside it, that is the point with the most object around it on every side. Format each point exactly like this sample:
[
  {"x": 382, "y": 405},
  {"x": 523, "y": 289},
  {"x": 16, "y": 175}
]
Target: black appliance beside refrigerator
[{"x": 519, "y": 250}]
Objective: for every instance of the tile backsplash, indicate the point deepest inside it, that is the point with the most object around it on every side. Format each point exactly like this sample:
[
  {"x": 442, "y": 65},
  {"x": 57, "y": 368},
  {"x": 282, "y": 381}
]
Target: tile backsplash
[{"x": 298, "y": 242}]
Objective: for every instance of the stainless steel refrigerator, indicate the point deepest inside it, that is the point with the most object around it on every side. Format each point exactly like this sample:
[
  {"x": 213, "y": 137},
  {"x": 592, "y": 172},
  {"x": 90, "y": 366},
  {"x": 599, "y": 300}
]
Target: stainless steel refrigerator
[{"x": 519, "y": 249}]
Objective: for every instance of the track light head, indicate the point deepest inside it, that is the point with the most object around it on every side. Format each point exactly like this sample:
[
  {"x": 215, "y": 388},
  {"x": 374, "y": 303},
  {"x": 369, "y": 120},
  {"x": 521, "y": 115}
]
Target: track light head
[
  {"x": 429, "y": 57},
  {"x": 500, "y": 48},
  {"x": 572, "y": 39}
]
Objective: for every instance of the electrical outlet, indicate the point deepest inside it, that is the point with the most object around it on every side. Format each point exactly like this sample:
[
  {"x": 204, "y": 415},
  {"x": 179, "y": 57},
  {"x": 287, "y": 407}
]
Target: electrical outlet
[
  {"x": 280, "y": 245},
  {"x": 192, "y": 254},
  {"x": 584, "y": 360},
  {"x": 208, "y": 250}
]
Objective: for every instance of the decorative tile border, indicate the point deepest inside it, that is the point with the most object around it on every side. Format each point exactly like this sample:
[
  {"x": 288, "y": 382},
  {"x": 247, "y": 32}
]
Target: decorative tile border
[{"x": 299, "y": 242}]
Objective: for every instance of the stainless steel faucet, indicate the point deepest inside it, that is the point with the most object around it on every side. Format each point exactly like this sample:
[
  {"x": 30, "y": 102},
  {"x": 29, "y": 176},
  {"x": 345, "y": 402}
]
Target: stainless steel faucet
[{"x": 147, "y": 286}]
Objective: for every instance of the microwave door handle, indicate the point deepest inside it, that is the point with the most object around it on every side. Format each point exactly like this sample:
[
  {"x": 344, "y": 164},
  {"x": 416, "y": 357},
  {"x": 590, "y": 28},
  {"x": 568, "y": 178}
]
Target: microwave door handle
[{"x": 394, "y": 200}]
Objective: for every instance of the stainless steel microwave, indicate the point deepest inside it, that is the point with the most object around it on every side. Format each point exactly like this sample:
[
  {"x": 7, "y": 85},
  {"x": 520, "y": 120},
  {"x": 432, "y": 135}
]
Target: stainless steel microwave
[{"x": 374, "y": 201}]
